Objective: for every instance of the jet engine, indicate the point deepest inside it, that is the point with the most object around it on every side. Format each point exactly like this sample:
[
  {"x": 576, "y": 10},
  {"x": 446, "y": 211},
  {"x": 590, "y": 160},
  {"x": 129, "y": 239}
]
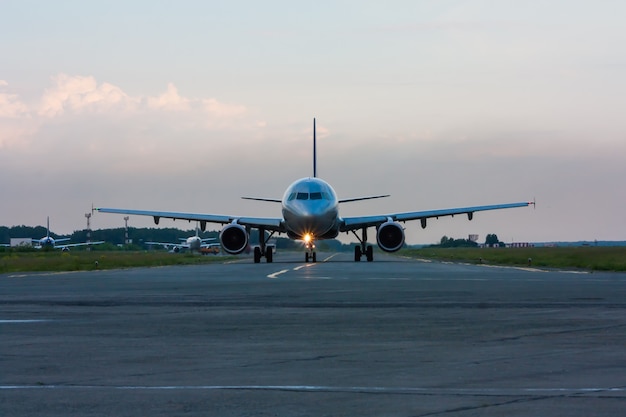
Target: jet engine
[
  {"x": 234, "y": 238},
  {"x": 390, "y": 236}
]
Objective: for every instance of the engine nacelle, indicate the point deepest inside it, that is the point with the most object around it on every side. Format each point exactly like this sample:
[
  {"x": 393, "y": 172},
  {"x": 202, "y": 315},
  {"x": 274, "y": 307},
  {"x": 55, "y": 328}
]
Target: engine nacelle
[
  {"x": 390, "y": 236},
  {"x": 234, "y": 238}
]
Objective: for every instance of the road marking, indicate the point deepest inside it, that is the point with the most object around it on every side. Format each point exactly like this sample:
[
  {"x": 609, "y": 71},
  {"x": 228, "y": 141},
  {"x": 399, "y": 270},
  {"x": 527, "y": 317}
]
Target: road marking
[
  {"x": 486, "y": 391},
  {"x": 276, "y": 274},
  {"x": 297, "y": 268},
  {"x": 24, "y": 321},
  {"x": 519, "y": 268}
]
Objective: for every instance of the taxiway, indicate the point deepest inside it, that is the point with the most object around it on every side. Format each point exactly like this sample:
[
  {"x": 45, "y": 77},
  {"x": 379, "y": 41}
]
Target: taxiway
[{"x": 395, "y": 337}]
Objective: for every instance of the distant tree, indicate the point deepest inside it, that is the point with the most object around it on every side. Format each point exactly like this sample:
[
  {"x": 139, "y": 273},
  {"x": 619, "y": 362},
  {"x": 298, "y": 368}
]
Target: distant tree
[
  {"x": 449, "y": 242},
  {"x": 492, "y": 240}
]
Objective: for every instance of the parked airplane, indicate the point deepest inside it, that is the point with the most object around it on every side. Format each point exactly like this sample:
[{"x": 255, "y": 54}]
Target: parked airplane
[
  {"x": 49, "y": 242},
  {"x": 192, "y": 243},
  {"x": 310, "y": 212}
]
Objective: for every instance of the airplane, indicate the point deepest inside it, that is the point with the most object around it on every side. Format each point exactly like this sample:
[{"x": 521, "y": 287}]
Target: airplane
[
  {"x": 49, "y": 242},
  {"x": 193, "y": 243},
  {"x": 310, "y": 212}
]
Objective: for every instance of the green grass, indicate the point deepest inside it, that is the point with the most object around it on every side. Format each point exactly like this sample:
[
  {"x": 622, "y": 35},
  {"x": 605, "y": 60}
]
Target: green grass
[
  {"x": 87, "y": 261},
  {"x": 586, "y": 258}
]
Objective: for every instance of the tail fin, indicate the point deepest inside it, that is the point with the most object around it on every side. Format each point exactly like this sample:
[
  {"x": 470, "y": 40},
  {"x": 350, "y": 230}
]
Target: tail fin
[
  {"x": 314, "y": 151},
  {"x": 48, "y": 227}
]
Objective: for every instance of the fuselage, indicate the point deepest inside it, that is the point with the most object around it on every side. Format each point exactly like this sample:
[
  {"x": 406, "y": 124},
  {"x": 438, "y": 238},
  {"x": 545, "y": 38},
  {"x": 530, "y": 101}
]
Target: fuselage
[
  {"x": 194, "y": 242},
  {"x": 310, "y": 207},
  {"x": 46, "y": 242}
]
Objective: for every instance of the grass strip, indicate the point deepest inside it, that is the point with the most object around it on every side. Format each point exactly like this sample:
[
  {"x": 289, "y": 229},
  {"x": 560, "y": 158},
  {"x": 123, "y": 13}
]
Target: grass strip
[{"x": 584, "y": 258}]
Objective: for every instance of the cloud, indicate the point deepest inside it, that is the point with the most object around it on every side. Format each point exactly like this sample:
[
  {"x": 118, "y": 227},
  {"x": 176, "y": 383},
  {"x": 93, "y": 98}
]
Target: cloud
[
  {"x": 15, "y": 123},
  {"x": 169, "y": 100},
  {"x": 222, "y": 110},
  {"x": 82, "y": 93},
  {"x": 86, "y": 125},
  {"x": 10, "y": 105},
  {"x": 75, "y": 94}
]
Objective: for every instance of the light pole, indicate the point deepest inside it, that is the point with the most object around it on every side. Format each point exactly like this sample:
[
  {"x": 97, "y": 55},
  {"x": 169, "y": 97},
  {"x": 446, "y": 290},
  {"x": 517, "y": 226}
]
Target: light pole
[
  {"x": 88, "y": 216},
  {"x": 126, "y": 230}
]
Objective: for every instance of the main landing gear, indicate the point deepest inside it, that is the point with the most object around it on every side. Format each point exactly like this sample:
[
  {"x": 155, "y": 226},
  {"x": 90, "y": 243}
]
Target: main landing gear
[
  {"x": 363, "y": 248},
  {"x": 263, "y": 250},
  {"x": 258, "y": 254}
]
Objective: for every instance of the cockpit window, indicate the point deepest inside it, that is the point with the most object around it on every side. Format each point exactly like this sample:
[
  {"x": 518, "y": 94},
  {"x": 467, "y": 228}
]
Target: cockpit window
[{"x": 316, "y": 195}]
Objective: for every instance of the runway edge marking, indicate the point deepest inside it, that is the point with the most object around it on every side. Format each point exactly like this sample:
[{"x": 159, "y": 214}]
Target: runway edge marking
[{"x": 485, "y": 391}]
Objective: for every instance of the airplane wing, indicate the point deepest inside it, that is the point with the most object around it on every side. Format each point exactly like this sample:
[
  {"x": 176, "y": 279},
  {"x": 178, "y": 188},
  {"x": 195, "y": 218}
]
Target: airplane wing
[
  {"x": 353, "y": 223},
  {"x": 210, "y": 245},
  {"x": 271, "y": 224},
  {"x": 168, "y": 245},
  {"x": 72, "y": 245},
  {"x": 57, "y": 240}
]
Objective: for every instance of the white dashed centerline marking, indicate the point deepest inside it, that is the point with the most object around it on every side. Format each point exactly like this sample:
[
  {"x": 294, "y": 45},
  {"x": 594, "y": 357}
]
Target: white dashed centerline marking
[{"x": 276, "y": 274}]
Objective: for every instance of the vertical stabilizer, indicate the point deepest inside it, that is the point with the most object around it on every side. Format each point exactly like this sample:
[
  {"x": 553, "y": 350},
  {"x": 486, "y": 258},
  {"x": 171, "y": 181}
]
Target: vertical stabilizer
[
  {"x": 48, "y": 227},
  {"x": 314, "y": 151}
]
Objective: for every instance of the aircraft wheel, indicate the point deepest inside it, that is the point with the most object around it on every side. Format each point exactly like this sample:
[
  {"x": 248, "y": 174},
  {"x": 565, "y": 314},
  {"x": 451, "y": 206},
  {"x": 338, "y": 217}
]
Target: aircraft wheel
[
  {"x": 306, "y": 257},
  {"x": 369, "y": 253},
  {"x": 257, "y": 255},
  {"x": 269, "y": 255},
  {"x": 314, "y": 256},
  {"x": 357, "y": 254}
]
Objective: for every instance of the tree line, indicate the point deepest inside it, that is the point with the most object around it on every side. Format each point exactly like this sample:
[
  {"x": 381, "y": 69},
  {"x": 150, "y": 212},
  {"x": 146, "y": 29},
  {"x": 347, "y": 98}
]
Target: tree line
[{"x": 491, "y": 241}]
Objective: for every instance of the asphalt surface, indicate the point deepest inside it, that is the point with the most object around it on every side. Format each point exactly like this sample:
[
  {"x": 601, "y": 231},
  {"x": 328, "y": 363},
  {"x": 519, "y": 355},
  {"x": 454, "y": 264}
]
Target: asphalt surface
[{"x": 394, "y": 337}]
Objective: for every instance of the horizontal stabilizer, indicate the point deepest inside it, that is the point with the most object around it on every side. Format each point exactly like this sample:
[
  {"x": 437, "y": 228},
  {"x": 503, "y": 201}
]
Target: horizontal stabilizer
[
  {"x": 349, "y": 200},
  {"x": 271, "y": 200}
]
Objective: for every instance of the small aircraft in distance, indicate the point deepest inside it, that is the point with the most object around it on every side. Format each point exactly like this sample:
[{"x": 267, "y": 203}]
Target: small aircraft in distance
[
  {"x": 49, "y": 242},
  {"x": 192, "y": 243},
  {"x": 310, "y": 212}
]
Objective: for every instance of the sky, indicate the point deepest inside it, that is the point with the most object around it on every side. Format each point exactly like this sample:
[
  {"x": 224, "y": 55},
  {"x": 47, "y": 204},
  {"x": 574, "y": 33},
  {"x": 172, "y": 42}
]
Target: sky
[{"x": 189, "y": 105}]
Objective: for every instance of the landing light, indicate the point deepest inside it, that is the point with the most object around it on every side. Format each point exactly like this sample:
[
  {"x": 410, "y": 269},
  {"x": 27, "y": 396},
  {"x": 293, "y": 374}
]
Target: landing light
[{"x": 308, "y": 238}]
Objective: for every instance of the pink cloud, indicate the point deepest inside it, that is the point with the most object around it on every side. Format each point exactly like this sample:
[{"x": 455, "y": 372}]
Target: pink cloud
[
  {"x": 81, "y": 93},
  {"x": 10, "y": 105},
  {"x": 171, "y": 100}
]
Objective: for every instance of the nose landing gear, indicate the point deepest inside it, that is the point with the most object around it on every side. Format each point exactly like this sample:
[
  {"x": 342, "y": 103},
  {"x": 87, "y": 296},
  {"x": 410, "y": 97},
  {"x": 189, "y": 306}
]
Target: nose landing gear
[{"x": 310, "y": 254}]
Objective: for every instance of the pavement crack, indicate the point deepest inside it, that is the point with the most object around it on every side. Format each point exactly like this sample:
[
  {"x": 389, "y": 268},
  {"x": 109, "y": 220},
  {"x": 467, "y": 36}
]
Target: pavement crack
[{"x": 485, "y": 406}]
